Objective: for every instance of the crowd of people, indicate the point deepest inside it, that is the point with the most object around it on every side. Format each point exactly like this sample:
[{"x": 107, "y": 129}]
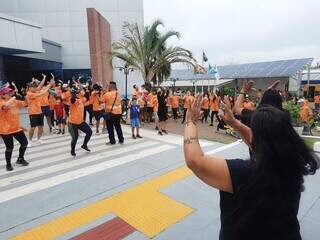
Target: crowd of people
[{"x": 60, "y": 105}]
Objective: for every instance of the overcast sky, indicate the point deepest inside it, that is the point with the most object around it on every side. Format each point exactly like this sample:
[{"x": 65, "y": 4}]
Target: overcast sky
[{"x": 240, "y": 31}]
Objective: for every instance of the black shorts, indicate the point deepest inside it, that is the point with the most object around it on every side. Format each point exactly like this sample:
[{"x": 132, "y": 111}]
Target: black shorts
[
  {"x": 67, "y": 109},
  {"x": 97, "y": 115},
  {"x": 150, "y": 109},
  {"x": 36, "y": 120},
  {"x": 46, "y": 111},
  {"x": 61, "y": 120}
]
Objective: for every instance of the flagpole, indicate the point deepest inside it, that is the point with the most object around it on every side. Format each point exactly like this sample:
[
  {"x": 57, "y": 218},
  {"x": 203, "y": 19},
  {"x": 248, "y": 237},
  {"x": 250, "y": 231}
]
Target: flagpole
[{"x": 202, "y": 66}]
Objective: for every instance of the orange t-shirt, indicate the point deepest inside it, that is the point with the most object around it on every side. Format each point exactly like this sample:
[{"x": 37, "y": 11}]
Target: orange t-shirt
[
  {"x": 215, "y": 104},
  {"x": 52, "y": 102},
  {"x": 76, "y": 112},
  {"x": 112, "y": 97},
  {"x": 83, "y": 98},
  {"x": 175, "y": 101},
  {"x": 205, "y": 103},
  {"x": 155, "y": 103},
  {"x": 66, "y": 96},
  {"x": 248, "y": 105},
  {"x": 10, "y": 118},
  {"x": 150, "y": 100},
  {"x": 34, "y": 106},
  {"x": 95, "y": 101},
  {"x": 188, "y": 100},
  {"x": 44, "y": 100},
  {"x": 317, "y": 99}
]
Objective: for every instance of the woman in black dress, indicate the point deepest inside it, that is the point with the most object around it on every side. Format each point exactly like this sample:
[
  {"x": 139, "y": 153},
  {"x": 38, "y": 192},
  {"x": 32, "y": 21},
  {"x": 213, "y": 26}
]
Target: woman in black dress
[{"x": 162, "y": 111}]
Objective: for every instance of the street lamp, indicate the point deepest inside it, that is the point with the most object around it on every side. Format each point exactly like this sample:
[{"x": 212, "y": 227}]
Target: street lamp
[
  {"x": 126, "y": 70},
  {"x": 174, "y": 80}
]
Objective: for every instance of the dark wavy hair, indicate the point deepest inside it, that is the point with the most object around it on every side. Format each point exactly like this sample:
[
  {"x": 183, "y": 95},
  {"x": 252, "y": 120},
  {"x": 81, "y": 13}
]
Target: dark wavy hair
[
  {"x": 273, "y": 98},
  {"x": 282, "y": 159}
]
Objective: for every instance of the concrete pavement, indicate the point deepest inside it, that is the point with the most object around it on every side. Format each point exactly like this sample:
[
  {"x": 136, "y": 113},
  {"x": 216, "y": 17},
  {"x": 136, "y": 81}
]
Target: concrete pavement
[{"x": 140, "y": 190}]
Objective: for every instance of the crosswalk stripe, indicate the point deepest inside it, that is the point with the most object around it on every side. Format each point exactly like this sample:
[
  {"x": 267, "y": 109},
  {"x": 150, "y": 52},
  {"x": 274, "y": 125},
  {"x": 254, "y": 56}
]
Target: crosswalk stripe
[
  {"x": 48, "y": 150},
  {"x": 65, "y": 156},
  {"x": 71, "y": 164},
  {"x": 72, "y": 175},
  {"x": 170, "y": 138},
  {"x": 56, "y": 142}
]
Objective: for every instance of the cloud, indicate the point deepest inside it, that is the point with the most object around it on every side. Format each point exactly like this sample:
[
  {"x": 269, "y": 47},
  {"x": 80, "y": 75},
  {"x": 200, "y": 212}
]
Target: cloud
[{"x": 242, "y": 31}]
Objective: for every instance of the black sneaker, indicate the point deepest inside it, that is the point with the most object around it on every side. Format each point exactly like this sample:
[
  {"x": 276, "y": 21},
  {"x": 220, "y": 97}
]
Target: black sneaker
[
  {"x": 134, "y": 137},
  {"x": 121, "y": 142},
  {"x": 138, "y": 136},
  {"x": 211, "y": 125},
  {"x": 59, "y": 132},
  {"x": 165, "y": 132},
  {"x": 63, "y": 132},
  {"x": 22, "y": 162},
  {"x": 73, "y": 153},
  {"x": 9, "y": 167},
  {"x": 160, "y": 133},
  {"x": 85, "y": 148},
  {"x": 157, "y": 128}
]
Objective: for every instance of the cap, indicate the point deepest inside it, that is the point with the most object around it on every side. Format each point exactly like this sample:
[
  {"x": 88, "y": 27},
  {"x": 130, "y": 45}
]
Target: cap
[{"x": 5, "y": 90}]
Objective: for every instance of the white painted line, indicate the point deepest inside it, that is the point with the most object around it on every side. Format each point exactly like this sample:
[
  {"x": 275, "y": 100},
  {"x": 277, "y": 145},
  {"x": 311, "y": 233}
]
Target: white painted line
[
  {"x": 71, "y": 164},
  {"x": 170, "y": 138},
  {"x": 66, "y": 177},
  {"x": 55, "y": 150},
  {"x": 225, "y": 147}
]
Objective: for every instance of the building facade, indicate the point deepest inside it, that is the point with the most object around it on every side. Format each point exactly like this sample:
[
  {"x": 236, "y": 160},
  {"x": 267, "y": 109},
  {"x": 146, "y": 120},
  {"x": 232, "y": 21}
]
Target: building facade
[{"x": 65, "y": 23}]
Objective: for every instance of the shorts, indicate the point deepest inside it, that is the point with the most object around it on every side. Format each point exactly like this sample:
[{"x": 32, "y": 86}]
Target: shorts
[
  {"x": 97, "y": 115},
  {"x": 135, "y": 122},
  {"x": 61, "y": 120},
  {"x": 36, "y": 120},
  {"x": 46, "y": 111},
  {"x": 66, "y": 109}
]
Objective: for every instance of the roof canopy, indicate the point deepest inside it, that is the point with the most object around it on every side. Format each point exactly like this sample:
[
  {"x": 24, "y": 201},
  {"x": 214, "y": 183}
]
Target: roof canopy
[{"x": 281, "y": 68}]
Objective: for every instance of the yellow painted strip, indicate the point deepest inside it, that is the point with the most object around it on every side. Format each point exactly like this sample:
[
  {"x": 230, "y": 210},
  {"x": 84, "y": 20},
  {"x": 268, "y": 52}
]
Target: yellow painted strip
[{"x": 142, "y": 206}]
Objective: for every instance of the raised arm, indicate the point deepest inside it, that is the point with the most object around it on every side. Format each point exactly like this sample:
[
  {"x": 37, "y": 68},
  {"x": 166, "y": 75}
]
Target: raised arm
[
  {"x": 238, "y": 106},
  {"x": 41, "y": 84},
  {"x": 210, "y": 169}
]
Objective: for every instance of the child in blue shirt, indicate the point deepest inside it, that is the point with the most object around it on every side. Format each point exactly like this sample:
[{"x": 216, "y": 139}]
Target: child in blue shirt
[{"x": 134, "y": 117}]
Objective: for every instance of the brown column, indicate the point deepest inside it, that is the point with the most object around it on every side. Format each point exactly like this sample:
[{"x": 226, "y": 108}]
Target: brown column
[{"x": 100, "y": 47}]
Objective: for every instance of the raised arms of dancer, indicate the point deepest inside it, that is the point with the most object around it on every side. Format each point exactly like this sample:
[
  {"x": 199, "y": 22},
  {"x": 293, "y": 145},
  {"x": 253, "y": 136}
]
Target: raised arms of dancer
[{"x": 210, "y": 169}]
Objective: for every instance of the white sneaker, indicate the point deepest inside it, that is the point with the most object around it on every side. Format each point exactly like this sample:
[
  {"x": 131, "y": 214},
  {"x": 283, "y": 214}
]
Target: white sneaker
[
  {"x": 41, "y": 141},
  {"x": 30, "y": 144}
]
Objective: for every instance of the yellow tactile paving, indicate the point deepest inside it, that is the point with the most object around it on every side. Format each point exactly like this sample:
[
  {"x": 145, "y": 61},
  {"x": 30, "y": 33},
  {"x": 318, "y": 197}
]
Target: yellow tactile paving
[{"x": 142, "y": 206}]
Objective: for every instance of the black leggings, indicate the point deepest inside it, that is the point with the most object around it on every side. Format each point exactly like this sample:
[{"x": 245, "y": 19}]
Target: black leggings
[
  {"x": 175, "y": 113},
  {"x": 184, "y": 114},
  {"x": 8, "y": 141},
  {"x": 205, "y": 115},
  {"x": 73, "y": 130},
  {"x": 214, "y": 113},
  {"x": 89, "y": 110}
]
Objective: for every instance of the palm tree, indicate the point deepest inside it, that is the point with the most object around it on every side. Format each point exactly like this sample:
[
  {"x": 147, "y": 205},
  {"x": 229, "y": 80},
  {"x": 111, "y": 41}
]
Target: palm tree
[{"x": 146, "y": 49}]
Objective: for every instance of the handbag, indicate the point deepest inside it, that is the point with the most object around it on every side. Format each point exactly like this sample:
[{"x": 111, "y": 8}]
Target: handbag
[{"x": 109, "y": 114}]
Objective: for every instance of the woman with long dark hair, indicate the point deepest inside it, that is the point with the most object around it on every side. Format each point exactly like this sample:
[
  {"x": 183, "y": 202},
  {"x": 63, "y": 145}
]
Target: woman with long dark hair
[{"x": 259, "y": 199}]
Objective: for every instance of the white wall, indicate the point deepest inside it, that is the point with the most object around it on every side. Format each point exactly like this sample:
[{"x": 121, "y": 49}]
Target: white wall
[
  {"x": 65, "y": 22},
  {"x": 20, "y": 35}
]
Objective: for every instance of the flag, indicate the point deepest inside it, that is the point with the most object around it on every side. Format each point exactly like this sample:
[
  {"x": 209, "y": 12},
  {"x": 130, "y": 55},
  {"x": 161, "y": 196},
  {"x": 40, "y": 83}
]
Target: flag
[
  {"x": 198, "y": 69},
  {"x": 204, "y": 57},
  {"x": 213, "y": 70}
]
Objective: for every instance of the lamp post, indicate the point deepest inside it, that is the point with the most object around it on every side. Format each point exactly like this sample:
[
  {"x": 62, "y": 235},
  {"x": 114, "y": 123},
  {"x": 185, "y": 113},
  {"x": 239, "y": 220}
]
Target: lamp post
[
  {"x": 126, "y": 70},
  {"x": 174, "y": 80}
]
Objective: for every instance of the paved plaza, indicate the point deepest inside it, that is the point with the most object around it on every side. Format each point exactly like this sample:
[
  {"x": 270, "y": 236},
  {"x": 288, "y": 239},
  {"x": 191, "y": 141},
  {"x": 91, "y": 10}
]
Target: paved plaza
[{"x": 139, "y": 190}]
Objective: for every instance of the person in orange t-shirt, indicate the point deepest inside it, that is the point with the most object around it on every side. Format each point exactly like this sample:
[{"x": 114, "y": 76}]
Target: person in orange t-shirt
[
  {"x": 214, "y": 106},
  {"x": 76, "y": 123},
  {"x": 10, "y": 126},
  {"x": 205, "y": 107},
  {"x": 317, "y": 102},
  {"x": 305, "y": 112},
  {"x": 112, "y": 101},
  {"x": 187, "y": 102},
  {"x": 96, "y": 105},
  {"x": 36, "y": 91},
  {"x": 175, "y": 98},
  {"x": 150, "y": 106}
]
